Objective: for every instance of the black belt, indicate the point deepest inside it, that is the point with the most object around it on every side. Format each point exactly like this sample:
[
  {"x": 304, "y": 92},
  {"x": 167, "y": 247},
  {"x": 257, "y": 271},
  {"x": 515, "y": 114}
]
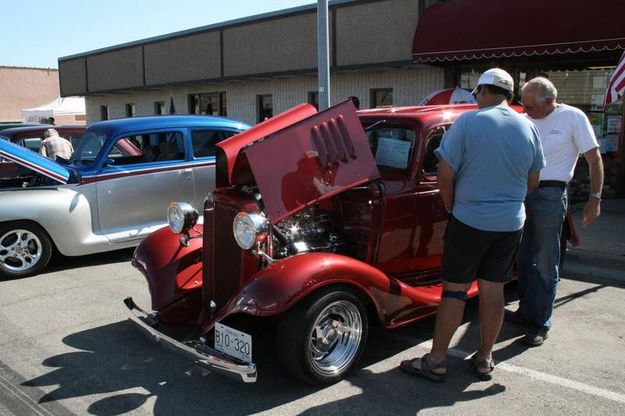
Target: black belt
[{"x": 552, "y": 184}]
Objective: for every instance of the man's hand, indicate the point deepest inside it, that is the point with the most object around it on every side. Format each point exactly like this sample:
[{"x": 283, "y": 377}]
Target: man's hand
[
  {"x": 533, "y": 180},
  {"x": 592, "y": 210}
]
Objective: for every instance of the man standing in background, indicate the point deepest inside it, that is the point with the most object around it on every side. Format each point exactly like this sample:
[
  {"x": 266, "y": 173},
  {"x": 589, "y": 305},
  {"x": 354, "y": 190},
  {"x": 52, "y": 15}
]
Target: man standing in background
[
  {"x": 54, "y": 146},
  {"x": 565, "y": 132}
]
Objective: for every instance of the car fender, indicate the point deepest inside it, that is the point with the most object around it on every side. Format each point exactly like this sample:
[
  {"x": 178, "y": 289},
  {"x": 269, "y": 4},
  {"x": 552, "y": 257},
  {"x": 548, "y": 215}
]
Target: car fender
[
  {"x": 63, "y": 212},
  {"x": 172, "y": 270},
  {"x": 281, "y": 285}
]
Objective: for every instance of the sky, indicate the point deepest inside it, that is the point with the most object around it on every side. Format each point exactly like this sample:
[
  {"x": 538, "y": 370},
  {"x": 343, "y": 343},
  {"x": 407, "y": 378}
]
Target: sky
[{"x": 35, "y": 33}]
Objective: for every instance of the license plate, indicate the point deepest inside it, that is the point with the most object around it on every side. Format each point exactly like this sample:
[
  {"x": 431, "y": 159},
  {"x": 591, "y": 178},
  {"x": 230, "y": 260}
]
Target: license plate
[{"x": 234, "y": 343}]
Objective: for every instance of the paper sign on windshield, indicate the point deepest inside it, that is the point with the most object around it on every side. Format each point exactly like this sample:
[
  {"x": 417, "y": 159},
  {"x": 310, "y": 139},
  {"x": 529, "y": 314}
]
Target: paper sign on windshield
[{"x": 392, "y": 153}]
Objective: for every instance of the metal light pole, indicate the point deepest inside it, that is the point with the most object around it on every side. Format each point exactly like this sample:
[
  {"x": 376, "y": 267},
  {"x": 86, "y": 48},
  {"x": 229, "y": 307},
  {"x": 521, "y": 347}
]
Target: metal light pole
[{"x": 323, "y": 54}]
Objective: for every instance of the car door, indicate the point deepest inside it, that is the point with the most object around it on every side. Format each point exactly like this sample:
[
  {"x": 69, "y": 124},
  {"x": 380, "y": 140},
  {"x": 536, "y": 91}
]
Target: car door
[
  {"x": 414, "y": 218},
  {"x": 430, "y": 215},
  {"x": 143, "y": 172},
  {"x": 394, "y": 148}
]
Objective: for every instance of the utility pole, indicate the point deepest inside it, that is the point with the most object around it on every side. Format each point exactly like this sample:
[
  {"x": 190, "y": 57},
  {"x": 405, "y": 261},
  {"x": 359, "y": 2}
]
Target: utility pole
[{"x": 323, "y": 54}]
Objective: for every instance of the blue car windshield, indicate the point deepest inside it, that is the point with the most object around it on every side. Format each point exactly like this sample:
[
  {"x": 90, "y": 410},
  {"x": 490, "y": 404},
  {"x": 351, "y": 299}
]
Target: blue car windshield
[{"x": 89, "y": 146}]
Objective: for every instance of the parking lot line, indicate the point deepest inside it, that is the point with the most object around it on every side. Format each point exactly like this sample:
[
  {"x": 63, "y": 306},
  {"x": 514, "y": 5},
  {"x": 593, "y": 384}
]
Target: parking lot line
[{"x": 537, "y": 375}]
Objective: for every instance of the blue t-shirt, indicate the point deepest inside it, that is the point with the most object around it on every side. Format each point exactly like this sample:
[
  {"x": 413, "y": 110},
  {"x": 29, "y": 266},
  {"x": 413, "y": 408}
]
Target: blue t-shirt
[{"x": 492, "y": 151}]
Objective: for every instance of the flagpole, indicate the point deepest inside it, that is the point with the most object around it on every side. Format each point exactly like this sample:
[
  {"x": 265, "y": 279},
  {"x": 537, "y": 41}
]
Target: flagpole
[
  {"x": 620, "y": 182},
  {"x": 323, "y": 55}
]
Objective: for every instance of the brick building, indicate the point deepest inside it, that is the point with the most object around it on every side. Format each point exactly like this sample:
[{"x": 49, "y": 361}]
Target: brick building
[{"x": 25, "y": 88}]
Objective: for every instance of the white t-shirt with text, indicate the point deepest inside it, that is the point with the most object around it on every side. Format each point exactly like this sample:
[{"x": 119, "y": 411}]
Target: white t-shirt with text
[{"x": 564, "y": 134}]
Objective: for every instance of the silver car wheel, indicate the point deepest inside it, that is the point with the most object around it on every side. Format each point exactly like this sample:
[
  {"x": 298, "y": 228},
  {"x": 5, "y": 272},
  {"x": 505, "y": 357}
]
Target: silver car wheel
[
  {"x": 20, "y": 250},
  {"x": 335, "y": 338}
]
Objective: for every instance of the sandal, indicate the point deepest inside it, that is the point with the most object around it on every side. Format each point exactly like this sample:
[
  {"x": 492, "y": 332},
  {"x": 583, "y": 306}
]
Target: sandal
[
  {"x": 476, "y": 365},
  {"x": 426, "y": 368}
]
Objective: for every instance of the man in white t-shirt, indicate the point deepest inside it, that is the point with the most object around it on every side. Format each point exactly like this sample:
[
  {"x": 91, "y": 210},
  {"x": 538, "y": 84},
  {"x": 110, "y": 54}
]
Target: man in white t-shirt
[{"x": 565, "y": 133}]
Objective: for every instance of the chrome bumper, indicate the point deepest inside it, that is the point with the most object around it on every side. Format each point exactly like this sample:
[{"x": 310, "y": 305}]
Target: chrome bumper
[{"x": 197, "y": 351}]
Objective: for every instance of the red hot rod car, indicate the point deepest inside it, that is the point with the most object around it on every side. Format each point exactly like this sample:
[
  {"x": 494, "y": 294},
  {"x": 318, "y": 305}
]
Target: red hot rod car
[{"x": 321, "y": 223}]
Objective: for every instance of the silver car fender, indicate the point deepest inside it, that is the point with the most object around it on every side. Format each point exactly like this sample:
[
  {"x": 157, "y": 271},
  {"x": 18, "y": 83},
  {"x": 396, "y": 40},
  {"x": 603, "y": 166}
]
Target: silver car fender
[{"x": 64, "y": 212}]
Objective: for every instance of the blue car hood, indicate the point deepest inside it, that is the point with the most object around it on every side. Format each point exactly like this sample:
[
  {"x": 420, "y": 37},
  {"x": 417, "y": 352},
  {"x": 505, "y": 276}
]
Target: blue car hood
[{"x": 34, "y": 161}]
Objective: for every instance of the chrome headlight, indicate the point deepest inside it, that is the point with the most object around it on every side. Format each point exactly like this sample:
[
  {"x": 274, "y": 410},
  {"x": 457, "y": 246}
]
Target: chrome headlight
[
  {"x": 249, "y": 229},
  {"x": 181, "y": 217}
]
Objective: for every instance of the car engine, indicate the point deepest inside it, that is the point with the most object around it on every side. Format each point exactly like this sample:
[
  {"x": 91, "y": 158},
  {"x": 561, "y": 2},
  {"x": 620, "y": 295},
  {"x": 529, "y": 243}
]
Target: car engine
[{"x": 305, "y": 231}]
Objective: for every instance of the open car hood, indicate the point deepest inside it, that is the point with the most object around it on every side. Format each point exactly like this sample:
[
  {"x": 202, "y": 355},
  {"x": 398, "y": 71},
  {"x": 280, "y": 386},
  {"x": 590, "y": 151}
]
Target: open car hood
[
  {"x": 33, "y": 161},
  {"x": 310, "y": 160},
  {"x": 229, "y": 150}
]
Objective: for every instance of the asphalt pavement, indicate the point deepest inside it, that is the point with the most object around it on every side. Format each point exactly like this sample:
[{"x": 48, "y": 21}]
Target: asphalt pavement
[
  {"x": 66, "y": 347},
  {"x": 601, "y": 255}
]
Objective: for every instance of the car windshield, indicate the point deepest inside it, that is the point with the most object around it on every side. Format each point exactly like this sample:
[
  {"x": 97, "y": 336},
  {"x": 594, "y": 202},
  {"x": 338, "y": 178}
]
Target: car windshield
[{"x": 89, "y": 146}]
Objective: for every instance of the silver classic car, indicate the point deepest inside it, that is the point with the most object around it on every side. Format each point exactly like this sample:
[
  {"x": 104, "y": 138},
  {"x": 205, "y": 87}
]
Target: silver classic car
[{"x": 110, "y": 194}]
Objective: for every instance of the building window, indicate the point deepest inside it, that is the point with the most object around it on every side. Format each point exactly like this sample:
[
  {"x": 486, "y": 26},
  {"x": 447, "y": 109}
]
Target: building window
[
  {"x": 313, "y": 98},
  {"x": 381, "y": 97},
  {"x": 159, "y": 108},
  {"x": 469, "y": 79},
  {"x": 104, "y": 112},
  {"x": 130, "y": 110},
  {"x": 264, "y": 107},
  {"x": 212, "y": 104}
]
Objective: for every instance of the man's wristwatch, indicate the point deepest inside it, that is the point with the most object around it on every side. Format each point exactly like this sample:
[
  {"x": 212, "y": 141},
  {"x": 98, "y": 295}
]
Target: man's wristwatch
[{"x": 596, "y": 195}]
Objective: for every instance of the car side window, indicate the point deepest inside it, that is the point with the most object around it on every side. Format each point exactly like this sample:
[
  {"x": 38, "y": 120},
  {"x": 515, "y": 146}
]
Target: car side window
[
  {"x": 430, "y": 160},
  {"x": 392, "y": 146},
  {"x": 148, "y": 147},
  {"x": 204, "y": 141},
  {"x": 432, "y": 142},
  {"x": 32, "y": 143}
]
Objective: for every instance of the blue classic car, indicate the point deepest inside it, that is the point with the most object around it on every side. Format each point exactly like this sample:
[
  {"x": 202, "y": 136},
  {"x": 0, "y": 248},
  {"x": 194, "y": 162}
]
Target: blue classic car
[{"x": 111, "y": 193}]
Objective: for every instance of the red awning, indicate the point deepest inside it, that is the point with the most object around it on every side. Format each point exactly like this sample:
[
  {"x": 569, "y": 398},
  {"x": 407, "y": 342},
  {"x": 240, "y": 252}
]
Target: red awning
[{"x": 487, "y": 29}]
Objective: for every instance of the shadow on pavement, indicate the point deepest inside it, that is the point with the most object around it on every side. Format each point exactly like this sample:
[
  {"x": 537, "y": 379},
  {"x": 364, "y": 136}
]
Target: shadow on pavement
[
  {"x": 116, "y": 361},
  {"x": 60, "y": 262}
]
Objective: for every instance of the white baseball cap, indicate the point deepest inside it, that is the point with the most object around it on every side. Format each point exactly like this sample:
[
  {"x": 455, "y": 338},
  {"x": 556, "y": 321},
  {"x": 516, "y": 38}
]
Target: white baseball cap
[{"x": 497, "y": 77}]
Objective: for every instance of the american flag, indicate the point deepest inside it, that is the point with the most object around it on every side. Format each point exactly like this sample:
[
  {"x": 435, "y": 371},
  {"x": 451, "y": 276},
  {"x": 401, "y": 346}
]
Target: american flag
[{"x": 616, "y": 86}]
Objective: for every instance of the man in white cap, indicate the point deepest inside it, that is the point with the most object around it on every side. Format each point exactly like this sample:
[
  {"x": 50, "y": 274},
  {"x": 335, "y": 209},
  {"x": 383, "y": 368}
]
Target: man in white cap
[
  {"x": 489, "y": 161},
  {"x": 565, "y": 133}
]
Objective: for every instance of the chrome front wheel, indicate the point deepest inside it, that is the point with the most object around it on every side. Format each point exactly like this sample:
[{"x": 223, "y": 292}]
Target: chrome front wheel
[
  {"x": 323, "y": 337},
  {"x": 335, "y": 338}
]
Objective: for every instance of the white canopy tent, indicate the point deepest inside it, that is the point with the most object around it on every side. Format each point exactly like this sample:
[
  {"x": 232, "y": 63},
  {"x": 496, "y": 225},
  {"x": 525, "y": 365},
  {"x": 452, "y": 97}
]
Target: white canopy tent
[{"x": 65, "y": 110}]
